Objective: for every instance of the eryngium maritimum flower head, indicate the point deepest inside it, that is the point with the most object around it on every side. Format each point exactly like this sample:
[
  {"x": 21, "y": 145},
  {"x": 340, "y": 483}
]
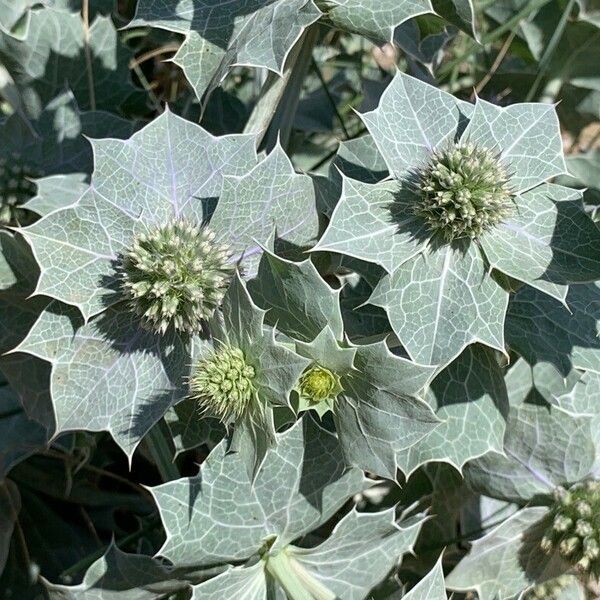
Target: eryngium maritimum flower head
[
  {"x": 463, "y": 192},
  {"x": 317, "y": 384},
  {"x": 575, "y": 528},
  {"x": 176, "y": 275},
  {"x": 222, "y": 384},
  {"x": 15, "y": 189}
]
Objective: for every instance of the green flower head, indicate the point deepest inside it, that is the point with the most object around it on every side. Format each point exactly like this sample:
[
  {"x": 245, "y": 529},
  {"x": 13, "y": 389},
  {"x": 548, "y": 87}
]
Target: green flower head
[
  {"x": 550, "y": 590},
  {"x": 575, "y": 529},
  {"x": 223, "y": 384},
  {"x": 318, "y": 384},
  {"x": 463, "y": 192},
  {"x": 176, "y": 275},
  {"x": 15, "y": 189}
]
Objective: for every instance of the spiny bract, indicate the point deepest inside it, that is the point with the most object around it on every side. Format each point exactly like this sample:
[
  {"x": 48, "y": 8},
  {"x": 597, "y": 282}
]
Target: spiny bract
[
  {"x": 317, "y": 384},
  {"x": 575, "y": 529},
  {"x": 463, "y": 192},
  {"x": 15, "y": 189},
  {"x": 176, "y": 275},
  {"x": 222, "y": 384}
]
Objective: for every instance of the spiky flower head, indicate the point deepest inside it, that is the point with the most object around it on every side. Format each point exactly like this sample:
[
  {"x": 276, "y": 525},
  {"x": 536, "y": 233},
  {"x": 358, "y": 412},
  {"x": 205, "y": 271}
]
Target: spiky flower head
[
  {"x": 176, "y": 275},
  {"x": 317, "y": 384},
  {"x": 551, "y": 589},
  {"x": 464, "y": 191},
  {"x": 15, "y": 189},
  {"x": 575, "y": 528},
  {"x": 223, "y": 384}
]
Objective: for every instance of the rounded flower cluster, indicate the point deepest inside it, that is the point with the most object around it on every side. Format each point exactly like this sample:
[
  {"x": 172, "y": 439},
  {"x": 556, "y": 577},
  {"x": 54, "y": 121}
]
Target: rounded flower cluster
[
  {"x": 223, "y": 384},
  {"x": 176, "y": 275},
  {"x": 463, "y": 192},
  {"x": 550, "y": 590},
  {"x": 575, "y": 529},
  {"x": 318, "y": 384},
  {"x": 15, "y": 189}
]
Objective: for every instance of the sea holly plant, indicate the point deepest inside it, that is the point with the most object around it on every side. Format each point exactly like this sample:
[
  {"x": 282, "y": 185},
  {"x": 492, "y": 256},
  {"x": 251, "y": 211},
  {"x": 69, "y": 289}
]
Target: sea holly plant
[
  {"x": 156, "y": 274},
  {"x": 467, "y": 194},
  {"x": 299, "y": 300}
]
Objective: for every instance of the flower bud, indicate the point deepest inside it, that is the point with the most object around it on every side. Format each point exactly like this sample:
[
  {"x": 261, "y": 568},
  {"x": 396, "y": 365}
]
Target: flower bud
[
  {"x": 318, "y": 384},
  {"x": 223, "y": 384}
]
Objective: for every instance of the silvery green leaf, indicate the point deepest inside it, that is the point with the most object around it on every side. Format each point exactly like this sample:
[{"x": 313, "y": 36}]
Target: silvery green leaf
[
  {"x": 548, "y": 242},
  {"x": 14, "y": 18},
  {"x": 508, "y": 560},
  {"x": 526, "y": 136},
  {"x": 52, "y": 56},
  {"x": 359, "y": 539},
  {"x": 412, "y": 119},
  {"x": 277, "y": 368},
  {"x": 121, "y": 576},
  {"x": 242, "y": 583},
  {"x": 109, "y": 375},
  {"x": 589, "y": 11},
  {"x": 431, "y": 587},
  {"x": 54, "y": 143},
  {"x": 469, "y": 397},
  {"x": 442, "y": 301},
  {"x": 57, "y": 191},
  {"x": 541, "y": 329},
  {"x": 582, "y": 399},
  {"x": 257, "y": 33},
  {"x": 219, "y": 516},
  {"x": 20, "y": 436},
  {"x": 374, "y": 223},
  {"x": 269, "y": 198},
  {"x": 544, "y": 447},
  {"x": 170, "y": 169},
  {"x": 188, "y": 431},
  {"x": 17, "y": 270},
  {"x": 379, "y": 411},
  {"x": 359, "y": 159},
  {"x": 10, "y": 505},
  {"x": 378, "y": 19},
  {"x": 335, "y": 568},
  {"x": 297, "y": 300}
]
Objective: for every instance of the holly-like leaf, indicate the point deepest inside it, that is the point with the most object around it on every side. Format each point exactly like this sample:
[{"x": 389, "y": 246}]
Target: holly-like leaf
[
  {"x": 377, "y": 19},
  {"x": 276, "y": 372},
  {"x": 359, "y": 539},
  {"x": 269, "y": 198},
  {"x": 438, "y": 294},
  {"x": 442, "y": 301},
  {"x": 548, "y": 242},
  {"x": 431, "y": 587},
  {"x": 57, "y": 191},
  {"x": 121, "y": 576},
  {"x": 507, "y": 561},
  {"x": 53, "y": 55},
  {"x": 54, "y": 143},
  {"x": 109, "y": 375},
  {"x": 544, "y": 447},
  {"x": 220, "y": 516},
  {"x": 542, "y": 329},
  {"x": 258, "y": 33},
  {"x": 170, "y": 169},
  {"x": 14, "y": 18},
  {"x": 469, "y": 397},
  {"x": 297, "y": 300},
  {"x": 379, "y": 411}
]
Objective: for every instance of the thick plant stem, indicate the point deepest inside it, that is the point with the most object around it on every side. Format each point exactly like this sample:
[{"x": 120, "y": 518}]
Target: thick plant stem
[
  {"x": 297, "y": 583},
  {"x": 273, "y": 115},
  {"x": 160, "y": 450}
]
